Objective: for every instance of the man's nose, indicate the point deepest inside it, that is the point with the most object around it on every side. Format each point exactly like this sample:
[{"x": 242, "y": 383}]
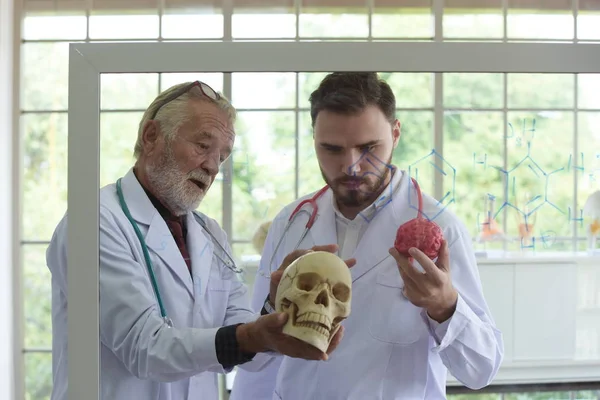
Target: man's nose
[
  {"x": 211, "y": 164},
  {"x": 352, "y": 162}
]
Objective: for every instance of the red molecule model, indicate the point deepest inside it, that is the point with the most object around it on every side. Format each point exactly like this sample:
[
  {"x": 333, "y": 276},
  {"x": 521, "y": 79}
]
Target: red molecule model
[{"x": 419, "y": 232}]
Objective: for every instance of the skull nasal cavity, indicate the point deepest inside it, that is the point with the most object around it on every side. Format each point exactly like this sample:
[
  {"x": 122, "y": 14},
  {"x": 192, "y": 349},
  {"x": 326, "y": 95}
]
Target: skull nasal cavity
[{"x": 323, "y": 298}]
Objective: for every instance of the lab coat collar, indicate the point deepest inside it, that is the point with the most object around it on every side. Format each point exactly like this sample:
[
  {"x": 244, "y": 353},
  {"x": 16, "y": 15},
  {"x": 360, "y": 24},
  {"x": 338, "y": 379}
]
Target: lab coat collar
[
  {"x": 158, "y": 238},
  {"x": 373, "y": 248},
  {"x": 201, "y": 248}
]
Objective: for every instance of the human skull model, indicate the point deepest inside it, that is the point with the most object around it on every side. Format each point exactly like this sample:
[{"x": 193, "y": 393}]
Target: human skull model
[{"x": 315, "y": 291}]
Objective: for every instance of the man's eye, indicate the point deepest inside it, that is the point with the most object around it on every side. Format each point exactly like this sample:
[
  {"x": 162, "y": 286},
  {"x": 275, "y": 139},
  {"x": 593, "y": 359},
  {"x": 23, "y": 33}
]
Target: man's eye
[{"x": 203, "y": 146}]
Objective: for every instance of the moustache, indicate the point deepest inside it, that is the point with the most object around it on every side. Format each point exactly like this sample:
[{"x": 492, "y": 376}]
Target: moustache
[{"x": 200, "y": 177}]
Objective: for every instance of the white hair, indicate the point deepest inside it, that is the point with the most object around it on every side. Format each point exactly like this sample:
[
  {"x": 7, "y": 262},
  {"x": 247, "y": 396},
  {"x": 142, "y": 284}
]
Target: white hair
[{"x": 176, "y": 112}]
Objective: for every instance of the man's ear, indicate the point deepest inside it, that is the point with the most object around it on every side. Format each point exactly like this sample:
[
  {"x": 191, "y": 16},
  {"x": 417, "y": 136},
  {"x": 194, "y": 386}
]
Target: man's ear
[
  {"x": 150, "y": 136},
  {"x": 396, "y": 132}
]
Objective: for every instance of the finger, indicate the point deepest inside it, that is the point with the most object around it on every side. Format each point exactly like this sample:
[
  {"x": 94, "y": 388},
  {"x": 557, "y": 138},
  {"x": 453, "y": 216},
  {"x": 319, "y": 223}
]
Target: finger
[
  {"x": 397, "y": 256},
  {"x": 443, "y": 261},
  {"x": 291, "y": 257},
  {"x": 351, "y": 262},
  {"x": 276, "y": 277},
  {"x": 331, "y": 248},
  {"x": 405, "y": 266},
  {"x": 426, "y": 263}
]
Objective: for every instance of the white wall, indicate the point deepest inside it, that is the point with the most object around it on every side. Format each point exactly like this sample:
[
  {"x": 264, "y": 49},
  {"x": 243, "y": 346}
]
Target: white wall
[{"x": 7, "y": 247}]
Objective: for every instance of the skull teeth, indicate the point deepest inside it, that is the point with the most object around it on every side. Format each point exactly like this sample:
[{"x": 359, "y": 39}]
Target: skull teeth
[
  {"x": 313, "y": 325},
  {"x": 318, "y": 322}
]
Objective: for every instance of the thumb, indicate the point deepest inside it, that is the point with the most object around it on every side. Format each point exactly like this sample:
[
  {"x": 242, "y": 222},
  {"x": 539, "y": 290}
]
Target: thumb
[
  {"x": 276, "y": 277},
  {"x": 275, "y": 321}
]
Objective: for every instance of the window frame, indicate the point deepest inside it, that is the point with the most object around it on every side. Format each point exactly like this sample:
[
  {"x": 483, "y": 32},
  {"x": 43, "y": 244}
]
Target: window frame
[{"x": 227, "y": 222}]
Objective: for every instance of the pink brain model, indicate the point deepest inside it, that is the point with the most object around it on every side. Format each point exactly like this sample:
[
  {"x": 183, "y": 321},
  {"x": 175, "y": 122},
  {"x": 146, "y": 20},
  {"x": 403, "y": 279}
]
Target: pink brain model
[{"x": 419, "y": 232}]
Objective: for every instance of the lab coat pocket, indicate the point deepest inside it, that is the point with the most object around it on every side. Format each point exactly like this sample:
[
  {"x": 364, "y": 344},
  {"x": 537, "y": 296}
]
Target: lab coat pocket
[
  {"x": 392, "y": 317},
  {"x": 218, "y": 298}
]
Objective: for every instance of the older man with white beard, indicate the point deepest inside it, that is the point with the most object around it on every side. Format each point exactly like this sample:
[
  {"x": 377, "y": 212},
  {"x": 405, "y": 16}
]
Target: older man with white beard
[{"x": 172, "y": 312}]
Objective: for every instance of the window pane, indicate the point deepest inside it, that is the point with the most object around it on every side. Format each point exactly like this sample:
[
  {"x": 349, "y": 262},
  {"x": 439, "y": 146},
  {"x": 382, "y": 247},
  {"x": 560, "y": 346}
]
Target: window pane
[
  {"x": 540, "y": 182},
  {"x": 309, "y": 174},
  {"x": 538, "y": 396},
  {"x": 263, "y": 182},
  {"x": 246, "y": 256},
  {"x": 587, "y": 24},
  {"x": 123, "y": 26},
  {"x": 473, "y": 143},
  {"x": 127, "y": 91},
  {"x": 212, "y": 203},
  {"x": 351, "y": 21},
  {"x": 118, "y": 134},
  {"x": 307, "y": 83},
  {"x": 464, "y": 90},
  {"x": 45, "y": 88},
  {"x": 264, "y": 90},
  {"x": 62, "y": 27},
  {"x": 483, "y": 19},
  {"x": 38, "y": 376},
  {"x": 525, "y": 23},
  {"x": 214, "y": 80},
  {"x": 44, "y": 182},
  {"x": 414, "y": 151},
  {"x": 37, "y": 297},
  {"x": 196, "y": 26},
  {"x": 413, "y": 22},
  {"x": 588, "y": 168},
  {"x": 276, "y": 22},
  {"x": 588, "y": 87},
  {"x": 523, "y": 91},
  {"x": 412, "y": 90}
]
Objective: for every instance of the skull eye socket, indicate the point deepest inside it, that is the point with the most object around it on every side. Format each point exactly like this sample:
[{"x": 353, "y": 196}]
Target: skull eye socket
[
  {"x": 341, "y": 292},
  {"x": 308, "y": 281}
]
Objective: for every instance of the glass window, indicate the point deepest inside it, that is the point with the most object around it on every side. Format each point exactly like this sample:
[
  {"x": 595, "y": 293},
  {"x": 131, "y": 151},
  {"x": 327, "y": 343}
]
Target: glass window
[
  {"x": 407, "y": 22},
  {"x": 124, "y": 27},
  {"x": 38, "y": 376},
  {"x": 44, "y": 154},
  {"x": 264, "y": 139},
  {"x": 481, "y": 19},
  {"x": 264, "y": 90},
  {"x": 44, "y": 88},
  {"x": 194, "y": 26},
  {"x": 127, "y": 91},
  {"x": 317, "y": 21},
  {"x": 525, "y": 21},
  {"x": 63, "y": 27},
  {"x": 37, "y": 297},
  {"x": 275, "y": 22}
]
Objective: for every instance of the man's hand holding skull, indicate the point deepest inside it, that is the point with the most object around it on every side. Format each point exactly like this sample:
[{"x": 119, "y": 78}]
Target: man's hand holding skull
[{"x": 265, "y": 334}]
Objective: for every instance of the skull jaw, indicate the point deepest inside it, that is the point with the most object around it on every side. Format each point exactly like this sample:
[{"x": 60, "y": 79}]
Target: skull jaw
[{"x": 308, "y": 335}]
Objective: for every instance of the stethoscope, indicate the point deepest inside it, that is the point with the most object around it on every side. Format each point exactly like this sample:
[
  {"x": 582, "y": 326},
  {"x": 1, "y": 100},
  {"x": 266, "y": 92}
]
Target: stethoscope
[
  {"x": 228, "y": 263},
  {"x": 312, "y": 216}
]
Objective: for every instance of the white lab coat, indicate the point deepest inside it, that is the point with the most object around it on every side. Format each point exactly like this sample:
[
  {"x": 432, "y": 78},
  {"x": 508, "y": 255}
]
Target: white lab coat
[
  {"x": 142, "y": 358},
  {"x": 389, "y": 350}
]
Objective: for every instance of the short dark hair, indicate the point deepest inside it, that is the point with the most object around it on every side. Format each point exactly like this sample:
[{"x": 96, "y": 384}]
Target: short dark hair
[{"x": 352, "y": 92}]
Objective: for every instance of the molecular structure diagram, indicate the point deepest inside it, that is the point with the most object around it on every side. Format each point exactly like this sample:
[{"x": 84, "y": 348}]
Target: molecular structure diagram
[
  {"x": 447, "y": 171},
  {"x": 527, "y": 210}
]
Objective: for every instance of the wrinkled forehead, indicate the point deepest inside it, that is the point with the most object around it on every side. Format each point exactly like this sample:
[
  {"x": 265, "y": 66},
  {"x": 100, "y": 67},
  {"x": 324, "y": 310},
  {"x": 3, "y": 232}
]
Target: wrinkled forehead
[{"x": 212, "y": 121}]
